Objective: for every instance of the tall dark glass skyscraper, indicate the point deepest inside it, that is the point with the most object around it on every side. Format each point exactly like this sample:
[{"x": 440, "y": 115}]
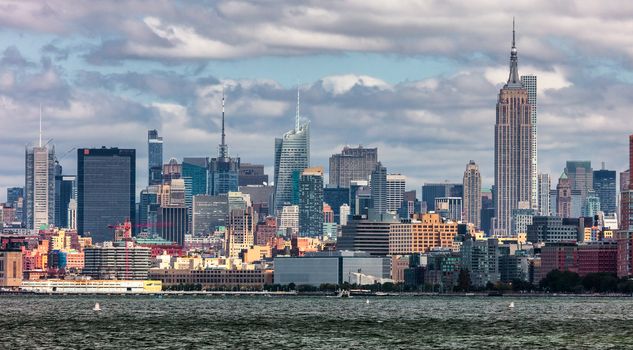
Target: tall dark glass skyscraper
[
  {"x": 378, "y": 185},
  {"x": 106, "y": 185},
  {"x": 223, "y": 170},
  {"x": 154, "y": 157},
  {"x": 65, "y": 190},
  {"x": 604, "y": 185},
  {"x": 311, "y": 202}
]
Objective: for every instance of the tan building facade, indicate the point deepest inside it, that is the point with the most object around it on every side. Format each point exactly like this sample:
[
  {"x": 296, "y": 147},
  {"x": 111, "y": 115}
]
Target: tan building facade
[
  {"x": 421, "y": 236},
  {"x": 10, "y": 268}
]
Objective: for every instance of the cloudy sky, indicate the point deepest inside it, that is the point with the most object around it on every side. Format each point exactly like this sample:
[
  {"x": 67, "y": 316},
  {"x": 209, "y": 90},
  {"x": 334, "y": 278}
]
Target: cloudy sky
[{"x": 417, "y": 79}]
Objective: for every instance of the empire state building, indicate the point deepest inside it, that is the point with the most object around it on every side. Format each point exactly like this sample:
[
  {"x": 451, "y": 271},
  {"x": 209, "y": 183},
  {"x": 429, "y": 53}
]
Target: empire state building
[{"x": 513, "y": 148}]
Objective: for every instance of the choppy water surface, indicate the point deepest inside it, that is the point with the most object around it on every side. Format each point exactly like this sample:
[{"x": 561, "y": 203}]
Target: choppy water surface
[{"x": 63, "y": 322}]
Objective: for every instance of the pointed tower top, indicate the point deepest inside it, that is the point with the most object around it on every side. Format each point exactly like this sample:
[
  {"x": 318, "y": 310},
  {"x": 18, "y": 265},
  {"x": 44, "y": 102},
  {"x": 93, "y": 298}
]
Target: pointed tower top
[
  {"x": 224, "y": 150},
  {"x": 298, "y": 116},
  {"x": 513, "y": 79}
]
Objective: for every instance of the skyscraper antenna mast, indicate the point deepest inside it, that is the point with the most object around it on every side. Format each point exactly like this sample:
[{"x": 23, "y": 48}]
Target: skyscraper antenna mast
[
  {"x": 298, "y": 109},
  {"x": 40, "y": 125}
]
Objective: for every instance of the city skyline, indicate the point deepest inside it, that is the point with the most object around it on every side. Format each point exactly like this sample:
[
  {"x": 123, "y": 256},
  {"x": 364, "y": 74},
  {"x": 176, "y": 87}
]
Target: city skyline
[{"x": 82, "y": 88}]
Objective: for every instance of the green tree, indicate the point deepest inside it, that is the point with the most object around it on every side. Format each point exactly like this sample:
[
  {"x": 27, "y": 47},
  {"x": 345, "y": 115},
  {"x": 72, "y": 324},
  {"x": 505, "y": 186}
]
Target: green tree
[{"x": 463, "y": 281}]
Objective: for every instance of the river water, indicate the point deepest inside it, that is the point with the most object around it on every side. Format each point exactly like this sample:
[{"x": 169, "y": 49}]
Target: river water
[{"x": 205, "y": 322}]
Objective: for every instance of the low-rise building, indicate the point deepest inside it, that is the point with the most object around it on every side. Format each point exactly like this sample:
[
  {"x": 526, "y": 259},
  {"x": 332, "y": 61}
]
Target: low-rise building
[{"x": 430, "y": 232}]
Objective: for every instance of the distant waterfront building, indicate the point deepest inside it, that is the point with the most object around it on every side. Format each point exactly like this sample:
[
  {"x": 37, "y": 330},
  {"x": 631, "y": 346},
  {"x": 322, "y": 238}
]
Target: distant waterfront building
[
  {"x": 331, "y": 267},
  {"x": 106, "y": 187},
  {"x": 223, "y": 170},
  {"x": 252, "y": 174},
  {"x": 39, "y": 189},
  {"x": 604, "y": 185},
  {"x": 529, "y": 82},
  {"x": 481, "y": 259},
  {"x": 378, "y": 187},
  {"x": 154, "y": 157},
  {"x": 513, "y": 148},
  {"x": 430, "y": 191},
  {"x": 544, "y": 186},
  {"x": 352, "y": 164},
  {"x": 292, "y": 154},
  {"x": 117, "y": 261},
  {"x": 311, "y": 202},
  {"x": 396, "y": 185},
  {"x": 472, "y": 194}
]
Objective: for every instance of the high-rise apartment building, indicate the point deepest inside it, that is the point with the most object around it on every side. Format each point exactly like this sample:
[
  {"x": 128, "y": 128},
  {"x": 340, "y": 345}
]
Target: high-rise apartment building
[
  {"x": 289, "y": 219},
  {"x": 106, "y": 186},
  {"x": 449, "y": 207},
  {"x": 39, "y": 187},
  {"x": 378, "y": 188},
  {"x": 472, "y": 194},
  {"x": 352, "y": 164},
  {"x": 421, "y": 236},
  {"x": 195, "y": 169},
  {"x": 604, "y": 185},
  {"x": 223, "y": 170},
  {"x": 396, "y": 184},
  {"x": 292, "y": 155},
  {"x": 311, "y": 202},
  {"x": 209, "y": 213},
  {"x": 154, "y": 157},
  {"x": 544, "y": 186},
  {"x": 529, "y": 82},
  {"x": 513, "y": 148},
  {"x": 240, "y": 231}
]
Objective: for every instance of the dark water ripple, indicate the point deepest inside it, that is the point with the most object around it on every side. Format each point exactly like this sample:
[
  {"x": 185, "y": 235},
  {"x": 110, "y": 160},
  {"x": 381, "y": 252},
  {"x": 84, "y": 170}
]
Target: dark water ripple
[{"x": 68, "y": 322}]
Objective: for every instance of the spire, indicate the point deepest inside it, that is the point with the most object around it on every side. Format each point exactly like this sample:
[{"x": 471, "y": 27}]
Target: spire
[
  {"x": 513, "y": 79},
  {"x": 40, "y": 125},
  {"x": 297, "y": 117},
  {"x": 224, "y": 150}
]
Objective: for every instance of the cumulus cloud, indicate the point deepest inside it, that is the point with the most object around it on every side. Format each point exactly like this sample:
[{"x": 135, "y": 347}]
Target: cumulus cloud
[{"x": 114, "y": 70}]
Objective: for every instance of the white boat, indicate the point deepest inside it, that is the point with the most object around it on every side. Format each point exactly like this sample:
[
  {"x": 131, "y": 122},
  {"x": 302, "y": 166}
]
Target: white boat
[
  {"x": 366, "y": 301},
  {"x": 344, "y": 294},
  {"x": 511, "y": 306},
  {"x": 97, "y": 307}
]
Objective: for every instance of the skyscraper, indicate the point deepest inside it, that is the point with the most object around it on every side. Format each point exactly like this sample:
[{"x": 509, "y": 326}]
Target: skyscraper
[
  {"x": 529, "y": 82},
  {"x": 396, "y": 184},
  {"x": 352, "y": 164},
  {"x": 65, "y": 190},
  {"x": 39, "y": 187},
  {"x": 292, "y": 154},
  {"x": 513, "y": 148},
  {"x": 472, "y": 194},
  {"x": 154, "y": 157},
  {"x": 544, "y": 186},
  {"x": 604, "y": 185},
  {"x": 430, "y": 191},
  {"x": 378, "y": 187},
  {"x": 580, "y": 176},
  {"x": 252, "y": 174},
  {"x": 311, "y": 202},
  {"x": 106, "y": 186},
  {"x": 223, "y": 170}
]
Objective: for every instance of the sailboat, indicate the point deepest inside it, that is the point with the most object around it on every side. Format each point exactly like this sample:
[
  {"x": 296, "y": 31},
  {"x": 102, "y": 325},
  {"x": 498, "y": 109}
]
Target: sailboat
[
  {"x": 97, "y": 307},
  {"x": 511, "y": 306}
]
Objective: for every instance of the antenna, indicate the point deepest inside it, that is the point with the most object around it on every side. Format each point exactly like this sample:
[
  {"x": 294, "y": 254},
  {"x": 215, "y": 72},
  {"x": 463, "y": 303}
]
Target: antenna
[
  {"x": 223, "y": 134},
  {"x": 513, "y": 45},
  {"x": 40, "y": 125},
  {"x": 298, "y": 114}
]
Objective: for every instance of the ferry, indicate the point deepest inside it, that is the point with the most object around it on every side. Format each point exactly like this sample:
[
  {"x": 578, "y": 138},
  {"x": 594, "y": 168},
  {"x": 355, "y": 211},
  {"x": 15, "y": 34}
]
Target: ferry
[{"x": 56, "y": 286}]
